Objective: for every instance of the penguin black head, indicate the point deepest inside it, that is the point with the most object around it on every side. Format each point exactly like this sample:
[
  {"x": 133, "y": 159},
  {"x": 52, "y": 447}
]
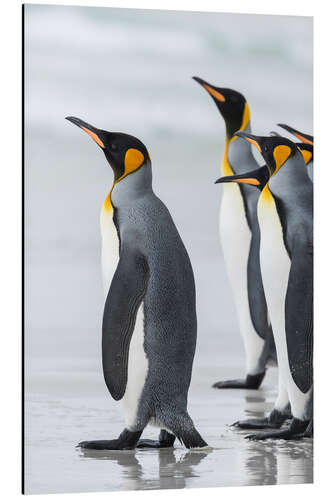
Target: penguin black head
[
  {"x": 275, "y": 150},
  {"x": 231, "y": 104},
  {"x": 125, "y": 153},
  {"x": 305, "y": 148},
  {"x": 305, "y": 138}
]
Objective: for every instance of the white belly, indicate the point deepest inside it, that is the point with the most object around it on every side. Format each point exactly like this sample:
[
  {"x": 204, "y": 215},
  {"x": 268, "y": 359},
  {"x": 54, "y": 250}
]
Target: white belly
[
  {"x": 137, "y": 359},
  {"x": 136, "y": 373},
  {"x": 275, "y": 268},
  {"x": 110, "y": 249},
  {"x": 235, "y": 237}
]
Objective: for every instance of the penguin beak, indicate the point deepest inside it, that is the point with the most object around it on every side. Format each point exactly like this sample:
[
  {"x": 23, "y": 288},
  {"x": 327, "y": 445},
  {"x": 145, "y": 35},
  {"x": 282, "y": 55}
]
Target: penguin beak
[
  {"x": 94, "y": 132},
  {"x": 250, "y": 138},
  {"x": 256, "y": 178},
  {"x": 240, "y": 179},
  {"x": 307, "y": 139},
  {"x": 213, "y": 91}
]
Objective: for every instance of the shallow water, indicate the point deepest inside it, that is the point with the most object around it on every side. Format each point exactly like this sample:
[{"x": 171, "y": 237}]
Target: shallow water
[
  {"x": 131, "y": 71},
  {"x": 55, "y": 425}
]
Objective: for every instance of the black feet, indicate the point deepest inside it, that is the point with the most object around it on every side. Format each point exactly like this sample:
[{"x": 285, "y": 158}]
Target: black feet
[
  {"x": 251, "y": 382},
  {"x": 274, "y": 421},
  {"x": 165, "y": 440},
  {"x": 126, "y": 441},
  {"x": 296, "y": 430},
  {"x": 192, "y": 439},
  {"x": 255, "y": 423},
  {"x": 309, "y": 430}
]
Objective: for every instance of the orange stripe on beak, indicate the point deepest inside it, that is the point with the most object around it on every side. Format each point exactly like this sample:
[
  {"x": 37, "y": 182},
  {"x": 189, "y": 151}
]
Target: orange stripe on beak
[
  {"x": 249, "y": 180},
  {"x": 303, "y": 139},
  {"x": 252, "y": 141},
  {"x": 214, "y": 93},
  {"x": 94, "y": 136}
]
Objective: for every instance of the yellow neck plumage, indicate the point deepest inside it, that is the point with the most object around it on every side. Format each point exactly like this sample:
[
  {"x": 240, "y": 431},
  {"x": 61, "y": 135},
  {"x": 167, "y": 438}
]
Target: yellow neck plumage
[
  {"x": 107, "y": 205},
  {"x": 226, "y": 167},
  {"x": 281, "y": 154},
  {"x": 307, "y": 155}
]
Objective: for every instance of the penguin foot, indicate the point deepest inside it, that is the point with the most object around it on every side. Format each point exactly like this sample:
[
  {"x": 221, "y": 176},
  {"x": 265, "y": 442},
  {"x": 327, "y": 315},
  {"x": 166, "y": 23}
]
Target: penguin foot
[
  {"x": 308, "y": 433},
  {"x": 126, "y": 441},
  {"x": 165, "y": 440},
  {"x": 274, "y": 421},
  {"x": 150, "y": 443},
  {"x": 251, "y": 382},
  {"x": 255, "y": 423},
  {"x": 101, "y": 444},
  {"x": 309, "y": 430},
  {"x": 296, "y": 430}
]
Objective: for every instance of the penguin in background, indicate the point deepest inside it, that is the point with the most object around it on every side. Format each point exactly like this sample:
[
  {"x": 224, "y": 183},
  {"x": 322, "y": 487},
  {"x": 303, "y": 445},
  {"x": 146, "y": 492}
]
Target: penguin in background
[
  {"x": 305, "y": 138},
  {"x": 307, "y": 152},
  {"x": 149, "y": 323},
  {"x": 285, "y": 214},
  {"x": 239, "y": 236},
  {"x": 281, "y": 411},
  {"x": 307, "y": 145}
]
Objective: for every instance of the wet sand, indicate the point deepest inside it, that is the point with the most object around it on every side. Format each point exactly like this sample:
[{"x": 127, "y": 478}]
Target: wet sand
[{"x": 55, "y": 425}]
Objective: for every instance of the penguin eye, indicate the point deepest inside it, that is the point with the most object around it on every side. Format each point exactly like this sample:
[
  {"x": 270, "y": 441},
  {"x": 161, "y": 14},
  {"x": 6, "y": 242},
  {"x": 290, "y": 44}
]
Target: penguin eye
[{"x": 113, "y": 147}]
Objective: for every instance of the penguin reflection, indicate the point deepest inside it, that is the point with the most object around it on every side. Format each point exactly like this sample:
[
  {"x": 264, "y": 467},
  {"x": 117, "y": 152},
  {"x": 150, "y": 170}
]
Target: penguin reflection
[
  {"x": 172, "y": 473},
  {"x": 288, "y": 463}
]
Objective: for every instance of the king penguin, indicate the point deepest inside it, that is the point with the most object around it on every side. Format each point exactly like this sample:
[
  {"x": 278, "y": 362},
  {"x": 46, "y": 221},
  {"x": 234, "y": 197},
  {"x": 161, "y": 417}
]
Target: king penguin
[
  {"x": 239, "y": 236},
  {"x": 285, "y": 214},
  {"x": 149, "y": 323},
  {"x": 306, "y": 146}
]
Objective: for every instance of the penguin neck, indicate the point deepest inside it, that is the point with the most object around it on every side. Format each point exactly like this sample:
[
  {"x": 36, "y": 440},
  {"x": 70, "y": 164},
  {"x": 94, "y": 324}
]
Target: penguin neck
[
  {"x": 133, "y": 186},
  {"x": 289, "y": 182},
  {"x": 237, "y": 153}
]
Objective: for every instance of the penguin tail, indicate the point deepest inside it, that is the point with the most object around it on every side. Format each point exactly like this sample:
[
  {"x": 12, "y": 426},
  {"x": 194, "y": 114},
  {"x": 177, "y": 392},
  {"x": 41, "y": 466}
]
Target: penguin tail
[{"x": 192, "y": 439}]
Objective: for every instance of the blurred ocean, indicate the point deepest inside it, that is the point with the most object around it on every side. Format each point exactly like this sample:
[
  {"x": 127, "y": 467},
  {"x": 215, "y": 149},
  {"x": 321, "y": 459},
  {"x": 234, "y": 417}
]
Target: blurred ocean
[{"x": 130, "y": 70}]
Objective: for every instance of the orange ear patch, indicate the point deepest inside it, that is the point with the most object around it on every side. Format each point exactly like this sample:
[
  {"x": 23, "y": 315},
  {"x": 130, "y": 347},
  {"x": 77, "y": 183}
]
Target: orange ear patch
[
  {"x": 246, "y": 117},
  {"x": 214, "y": 93},
  {"x": 133, "y": 160},
  {"x": 281, "y": 153},
  {"x": 94, "y": 136}
]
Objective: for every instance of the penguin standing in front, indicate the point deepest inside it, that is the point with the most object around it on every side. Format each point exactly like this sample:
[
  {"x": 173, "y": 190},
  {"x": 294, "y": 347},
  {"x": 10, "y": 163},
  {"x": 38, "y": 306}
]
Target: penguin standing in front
[
  {"x": 307, "y": 145},
  {"x": 285, "y": 214},
  {"x": 149, "y": 323},
  {"x": 239, "y": 236}
]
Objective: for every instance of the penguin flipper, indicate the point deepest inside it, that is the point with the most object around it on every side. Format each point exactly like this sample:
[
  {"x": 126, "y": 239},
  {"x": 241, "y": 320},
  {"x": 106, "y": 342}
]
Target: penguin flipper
[
  {"x": 299, "y": 317},
  {"x": 127, "y": 290}
]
